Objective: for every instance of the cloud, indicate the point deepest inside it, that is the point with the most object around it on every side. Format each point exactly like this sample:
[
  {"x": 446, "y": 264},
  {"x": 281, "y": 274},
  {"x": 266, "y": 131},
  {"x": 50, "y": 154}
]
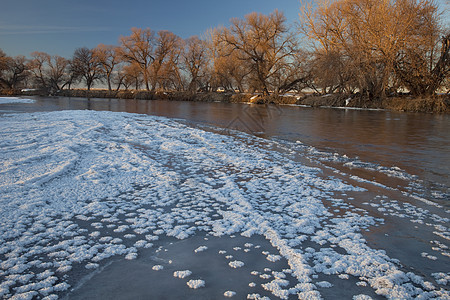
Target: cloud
[{"x": 28, "y": 29}]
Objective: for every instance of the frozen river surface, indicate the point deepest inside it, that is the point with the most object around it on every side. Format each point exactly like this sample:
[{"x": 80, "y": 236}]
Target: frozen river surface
[{"x": 101, "y": 204}]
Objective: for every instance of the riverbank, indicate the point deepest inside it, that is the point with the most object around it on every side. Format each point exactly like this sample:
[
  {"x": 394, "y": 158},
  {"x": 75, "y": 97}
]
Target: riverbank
[{"x": 406, "y": 103}]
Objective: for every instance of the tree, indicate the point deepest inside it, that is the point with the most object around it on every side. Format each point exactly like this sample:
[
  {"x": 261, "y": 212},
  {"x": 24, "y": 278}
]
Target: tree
[
  {"x": 170, "y": 73},
  {"x": 264, "y": 43},
  {"x": 138, "y": 48},
  {"x": 37, "y": 67},
  {"x": 195, "y": 61},
  {"x": 107, "y": 56},
  {"x": 59, "y": 72},
  {"x": 85, "y": 66},
  {"x": 49, "y": 72},
  {"x": 229, "y": 71},
  {"x": 424, "y": 63},
  {"x": 166, "y": 51},
  {"x": 13, "y": 71},
  {"x": 369, "y": 34},
  {"x": 131, "y": 76}
]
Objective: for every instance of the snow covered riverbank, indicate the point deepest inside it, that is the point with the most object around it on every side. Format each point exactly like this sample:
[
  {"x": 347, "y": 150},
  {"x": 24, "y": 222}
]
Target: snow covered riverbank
[{"x": 80, "y": 187}]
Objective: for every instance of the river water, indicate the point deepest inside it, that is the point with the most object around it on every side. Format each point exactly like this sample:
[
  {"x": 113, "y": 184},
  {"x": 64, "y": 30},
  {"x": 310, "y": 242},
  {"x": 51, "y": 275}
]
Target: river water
[
  {"x": 415, "y": 146},
  {"x": 401, "y": 159}
]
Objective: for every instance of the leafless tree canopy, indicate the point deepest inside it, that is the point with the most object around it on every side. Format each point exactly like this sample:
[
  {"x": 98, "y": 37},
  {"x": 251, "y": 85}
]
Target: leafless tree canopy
[
  {"x": 263, "y": 43},
  {"x": 107, "y": 57},
  {"x": 13, "y": 71},
  {"x": 85, "y": 66},
  {"x": 374, "y": 44}
]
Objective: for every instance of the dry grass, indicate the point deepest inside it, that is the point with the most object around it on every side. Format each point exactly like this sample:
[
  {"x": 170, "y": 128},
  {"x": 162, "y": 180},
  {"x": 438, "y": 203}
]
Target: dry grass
[{"x": 432, "y": 104}]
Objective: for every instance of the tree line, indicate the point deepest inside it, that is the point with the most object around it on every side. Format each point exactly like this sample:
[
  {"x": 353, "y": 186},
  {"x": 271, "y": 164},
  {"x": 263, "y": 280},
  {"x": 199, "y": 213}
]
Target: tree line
[{"x": 371, "y": 47}]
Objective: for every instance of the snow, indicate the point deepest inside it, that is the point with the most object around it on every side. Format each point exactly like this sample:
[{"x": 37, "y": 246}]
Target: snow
[
  {"x": 195, "y": 283},
  {"x": 200, "y": 249},
  {"x": 15, "y": 100},
  {"x": 79, "y": 187},
  {"x": 157, "y": 268},
  {"x": 324, "y": 284},
  {"x": 236, "y": 264},
  {"x": 182, "y": 274},
  {"x": 229, "y": 294}
]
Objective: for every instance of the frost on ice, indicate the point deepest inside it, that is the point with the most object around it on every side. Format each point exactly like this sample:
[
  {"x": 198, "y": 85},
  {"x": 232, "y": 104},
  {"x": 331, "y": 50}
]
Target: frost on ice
[
  {"x": 236, "y": 264},
  {"x": 229, "y": 294},
  {"x": 182, "y": 274},
  {"x": 14, "y": 100},
  {"x": 195, "y": 283},
  {"x": 157, "y": 267},
  {"x": 79, "y": 187}
]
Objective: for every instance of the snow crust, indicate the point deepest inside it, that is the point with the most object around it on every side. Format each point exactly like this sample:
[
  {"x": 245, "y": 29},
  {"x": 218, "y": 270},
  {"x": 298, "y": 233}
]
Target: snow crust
[
  {"x": 236, "y": 264},
  {"x": 15, "y": 100},
  {"x": 79, "y": 187},
  {"x": 229, "y": 294},
  {"x": 182, "y": 274},
  {"x": 195, "y": 283}
]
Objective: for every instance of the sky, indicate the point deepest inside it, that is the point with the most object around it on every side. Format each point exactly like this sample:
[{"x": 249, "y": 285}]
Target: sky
[{"x": 58, "y": 27}]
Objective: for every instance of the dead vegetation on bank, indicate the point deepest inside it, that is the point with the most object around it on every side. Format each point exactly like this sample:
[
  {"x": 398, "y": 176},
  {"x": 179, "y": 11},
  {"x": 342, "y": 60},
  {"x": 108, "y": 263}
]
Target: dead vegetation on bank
[{"x": 403, "y": 103}]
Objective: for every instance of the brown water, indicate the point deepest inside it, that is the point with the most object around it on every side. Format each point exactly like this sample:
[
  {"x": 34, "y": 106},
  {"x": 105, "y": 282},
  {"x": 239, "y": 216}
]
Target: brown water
[{"x": 417, "y": 144}]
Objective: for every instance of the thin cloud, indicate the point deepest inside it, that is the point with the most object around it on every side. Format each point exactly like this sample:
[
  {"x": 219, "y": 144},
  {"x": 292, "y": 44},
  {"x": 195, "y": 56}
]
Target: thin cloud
[{"x": 26, "y": 29}]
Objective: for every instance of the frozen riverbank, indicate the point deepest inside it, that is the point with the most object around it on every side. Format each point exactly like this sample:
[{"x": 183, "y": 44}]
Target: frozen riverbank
[{"x": 79, "y": 188}]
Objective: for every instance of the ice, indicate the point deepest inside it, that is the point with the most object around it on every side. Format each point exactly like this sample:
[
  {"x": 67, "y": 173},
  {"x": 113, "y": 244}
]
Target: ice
[
  {"x": 134, "y": 255},
  {"x": 195, "y": 283},
  {"x": 273, "y": 257},
  {"x": 200, "y": 249},
  {"x": 182, "y": 274},
  {"x": 236, "y": 264},
  {"x": 92, "y": 266},
  {"x": 229, "y": 294},
  {"x": 157, "y": 267},
  {"x": 81, "y": 187},
  {"x": 362, "y": 297},
  {"x": 324, "y": 284},
  {"x": 14, "y": 100}
]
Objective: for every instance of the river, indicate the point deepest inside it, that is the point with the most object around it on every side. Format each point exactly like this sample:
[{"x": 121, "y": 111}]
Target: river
[
  {"x": 398, "y": 164},
  {"x": 373, "y": 140}
]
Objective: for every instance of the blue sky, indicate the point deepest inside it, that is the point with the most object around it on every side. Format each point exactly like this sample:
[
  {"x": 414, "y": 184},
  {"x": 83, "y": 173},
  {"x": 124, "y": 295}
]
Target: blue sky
[{"x": 61, "y": 26}]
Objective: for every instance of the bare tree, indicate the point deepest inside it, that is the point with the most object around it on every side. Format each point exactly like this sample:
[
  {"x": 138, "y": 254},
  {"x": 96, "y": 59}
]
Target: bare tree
[
  {"x": 424, "y": 63},
  {"x": 13, "y": 71},
  {"x": 85, "y": 66},
  {"x": 138, "y": 48},
  {"x": 195, "y": 61},
  {"x": 107, "y": 56},
  {"x": 167, "y": 49},
  {"x": 59, "y": 72},
  {"x": 37, "y": 67},
  {"x": 49, "y": 72},
  {"x": 369, "y": 34},
  {"x": 132, "y": 76},
  {"x": 171, "y": 77},
  {"x": 263, "y": 42},
  {"x": 228, "y": 69}
]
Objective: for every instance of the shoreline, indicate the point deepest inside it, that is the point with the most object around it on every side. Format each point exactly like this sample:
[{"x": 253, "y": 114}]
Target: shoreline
[{"x": 404, "y": 103}]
